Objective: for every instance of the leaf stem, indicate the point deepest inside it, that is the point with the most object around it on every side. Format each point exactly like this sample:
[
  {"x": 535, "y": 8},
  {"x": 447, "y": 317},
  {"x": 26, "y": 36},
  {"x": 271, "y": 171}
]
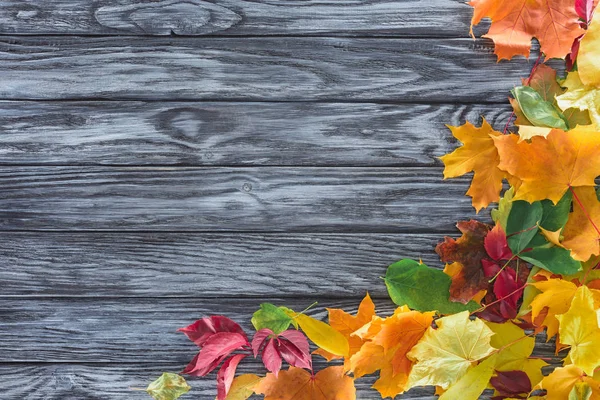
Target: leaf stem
[{"x": 504, "y": 266}]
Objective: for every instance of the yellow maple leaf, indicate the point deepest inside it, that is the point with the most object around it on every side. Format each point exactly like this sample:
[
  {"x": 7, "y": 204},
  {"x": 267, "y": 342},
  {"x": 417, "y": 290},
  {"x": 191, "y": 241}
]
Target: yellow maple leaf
[
  {"x": 477, "y": 154},
  {"x": 445, "y": 354},
  {"x": 548, "y": 166},
  {"x": 298, "y": 384},
  {"x": 588, "y": 59},
  {"x": 515, "y": 22},
  {"x": 561, "y": 381},
  {"x": 580, "y": 234},
  {"x": 580, "y": 96},
  {"x": 242, "y": 387},
  {"x": 473, "y": 383},
  {"x": 515, "y": 350},
  {"x": 579, "y": 328}
]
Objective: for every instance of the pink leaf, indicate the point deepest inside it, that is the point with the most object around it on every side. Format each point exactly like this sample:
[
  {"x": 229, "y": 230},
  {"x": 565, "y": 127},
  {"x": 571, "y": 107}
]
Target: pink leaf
[
  {"x": 226, "y": 374},
  {"x": 218, "y": 346},
  {"x": 204, "y": 328},
  {"x": 271, "y": 358},
  {"x": 259, "y": 338},
  {"x": 293, "y": 355},
  {"x": 584, "y": 9},
  {"x": 496, "y": 244},
  {"x": 298, "y": 339}
]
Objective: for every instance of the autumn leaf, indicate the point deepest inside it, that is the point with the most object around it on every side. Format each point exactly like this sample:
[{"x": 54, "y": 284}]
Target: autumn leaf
[
  {"x": 539, "y": 112},
  {"x": 477, "y": 154},
  {"x": 468, "y": 251},
  {"x": 347, "y": 324},
  {"x": 588, "y": 60},
  {"x": 580, "y": 233},
  {"x": 445, "y": 354},
  {"x": 242, "y": 387},
  {"x": 561, "y": 381},
  {"x": 226, "y": 374},
  {"x": 323, "y": 335},
  {"x": 548, "y": 166},
  {"x": 422, "y": 288},
  {"x": 168, "y": 386},
  {"x": 201, "y": 330},
  {"x": 387, "y": 350},
  {"x": 271, "y": 317},
  {"x": 291, "y": 346},
  {"x": 580, "y": 96},
  {"x": 579, "y": 329},
  {"x": 515, "y": 351},
  {"x": 515, "y": 22},
  {"x": 297, "y": 384},
  {"x": 473, "y": 383},
  {"x": 513, "y": 384}
]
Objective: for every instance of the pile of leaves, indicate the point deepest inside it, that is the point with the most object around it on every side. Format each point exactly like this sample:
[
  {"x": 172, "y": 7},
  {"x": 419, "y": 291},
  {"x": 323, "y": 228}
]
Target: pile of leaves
[{"x": 533, "y": 273}]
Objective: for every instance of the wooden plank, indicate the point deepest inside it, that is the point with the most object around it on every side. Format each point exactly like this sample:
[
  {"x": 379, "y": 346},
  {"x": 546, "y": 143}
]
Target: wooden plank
[
  {"x": 436, "y": 18},
  {"x": 271, "y": 199},
  {"x": 287, "y": 69},
  {"x": 113, "y": 381},
  {"x": 133, "y": 331},
  {"x": 94, "y": 264},
  {"x": 232, "y": 134}
]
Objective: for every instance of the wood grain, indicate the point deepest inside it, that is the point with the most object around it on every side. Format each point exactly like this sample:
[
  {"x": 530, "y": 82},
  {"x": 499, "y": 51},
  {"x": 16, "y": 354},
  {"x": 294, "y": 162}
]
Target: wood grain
[
  {"x": 408, "y": 200},
  {"x": 285, "y": 69},
  {"x": 232, "y": 134},
  {"x": 133, "y": 331},
  {"x": 114, "y": 381},
  {"x": 94, "y": 264},
  {"x": 436, "y": 18}
]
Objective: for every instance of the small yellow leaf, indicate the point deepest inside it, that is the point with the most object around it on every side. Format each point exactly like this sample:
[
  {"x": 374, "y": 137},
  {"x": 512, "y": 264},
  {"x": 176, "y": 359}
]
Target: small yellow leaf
[
  {"x": 323, "y": 335},
  {"x": 527, "y": 131},
  {"x": 242, "y": 387},
  {"x": 552, "y": 236},
  {"x": 579, "y": 328}
]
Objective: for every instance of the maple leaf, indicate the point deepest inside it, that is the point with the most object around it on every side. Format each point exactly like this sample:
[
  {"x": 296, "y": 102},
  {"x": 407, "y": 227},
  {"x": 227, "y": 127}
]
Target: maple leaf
[
  {"x": 468, "y": 251},
  {"x": 445, "y": 354},
  {"x": 290, "y": 345},
  {"x": 477, "y": 154},
  {"x": 168, "y": 386},
  {"x": 297, "y": 384},
  {"x": 512, "y": 384},
  {"x": 387, "y": 350},
  {"x": 473, "y": 383},
  {"x": 515, "y": 22},
  {"x": 515, "y": 351},
  {"x": 580, "y": 96},
  {"x": 242, "y": 387},
  {"x": 579, "y": 328},
  {"x": 548, "y": 166},
  {"x": 347, "y": 324},
  {"x": 588, "y": 60},
  {"x": 560, "y": 382},
  {"x": 580, "y": 233}
]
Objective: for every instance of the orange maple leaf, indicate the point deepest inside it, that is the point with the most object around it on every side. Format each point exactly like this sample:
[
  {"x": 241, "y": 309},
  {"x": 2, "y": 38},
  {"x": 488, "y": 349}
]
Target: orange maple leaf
[
  {"x": 477, "y": 154},
  {"x": 515, "y": 22},
  {"x": 386, "y": 351},
  {"x": 298, "y": 384},
  {"x": 548, "y": 166},
  {"x": 581, "y": 231},
  {"x": 347, "y": 324}
]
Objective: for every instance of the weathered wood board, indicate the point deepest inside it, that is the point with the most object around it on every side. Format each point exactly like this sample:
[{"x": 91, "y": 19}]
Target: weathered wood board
[
  {"x": 434, "y": 18},
  {"x": 233, "y": 133},
  {"x": 258, "y": 69}
]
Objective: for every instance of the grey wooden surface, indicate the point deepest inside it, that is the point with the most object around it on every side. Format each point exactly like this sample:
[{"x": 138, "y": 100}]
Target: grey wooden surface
[{"x": 165, "y": 160}]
